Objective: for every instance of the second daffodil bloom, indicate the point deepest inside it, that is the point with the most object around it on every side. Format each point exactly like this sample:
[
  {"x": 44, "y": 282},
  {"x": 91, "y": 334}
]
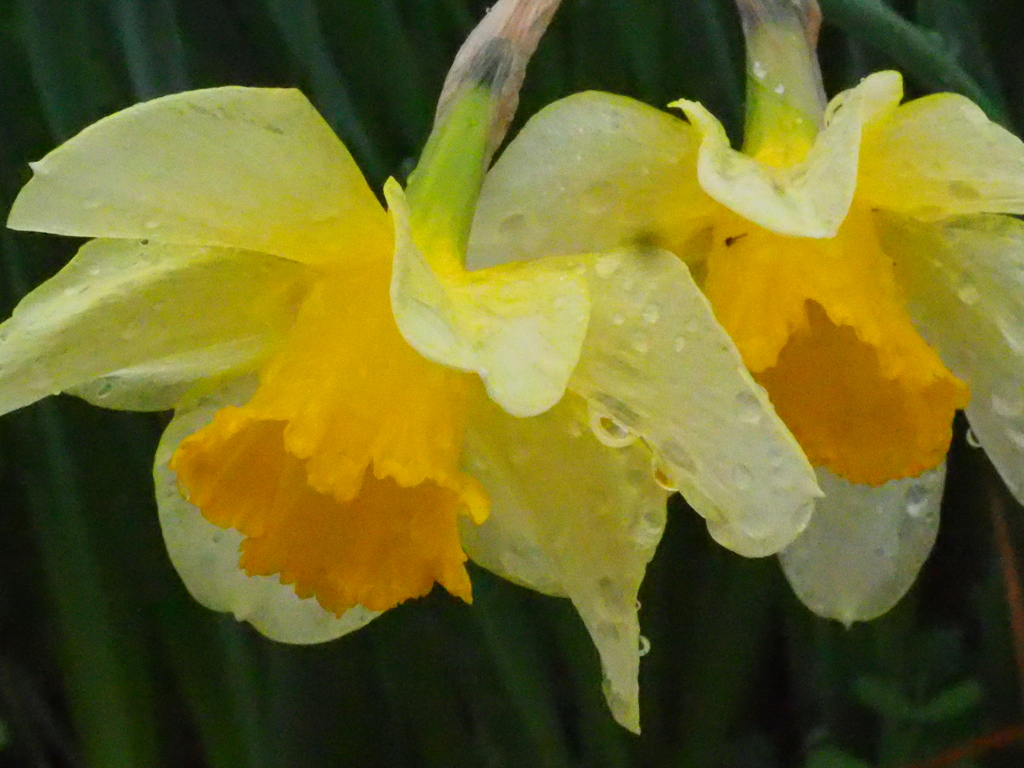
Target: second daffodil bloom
[
  {"x": 354, "y": 411},
  {"x": 858, "y": 254}
]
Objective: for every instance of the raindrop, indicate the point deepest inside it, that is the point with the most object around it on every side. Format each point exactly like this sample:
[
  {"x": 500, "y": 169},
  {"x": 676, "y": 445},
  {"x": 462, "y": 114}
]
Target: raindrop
[
  {"x": 780, "y": 89},
  {"x": 679, "y": 343},
  {"x": 606, "y": 265},
  {"x": 640, "y": 343},
  {"x": 104, "y": 389},
  {"x": 741, "y": 477},
  {"x": 661, "y": 476},
  {"x": 1008, "y": 405},
  {"x": 651, "y": 314},
  {"x": 968, "y": 294},
  {"x": 618, "y": 319},
  {"x": 75, "y": 290},
  {"x": 748, "y": 408},
  {"x": 637, "y": 603},
  {"x": 152, "y": 224},
  {"x": 610, "y": 432},
  {"x": 917, "y": 500},
  {"x": 972, "y": 439},
  {"x": 1016, "y": 437},
  {"x": 760, "y": 70},
  {"x": 692, "y": 325},
  {"x": 94, "y": 271},
  {"x": 645, "y": 646}
]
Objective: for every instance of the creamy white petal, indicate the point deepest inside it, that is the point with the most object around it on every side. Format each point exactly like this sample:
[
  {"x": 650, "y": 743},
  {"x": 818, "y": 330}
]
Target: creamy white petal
[
  {"x": 591, "y": 172},
  {"x": 657, "y": 363},
  {"x": 864, "y": 545},
  {"x": 145, "y": 319},
  {"x": 570, "y": 517},
  {"x": 964, "y": 281},
  {"x": 252, "y": 168},
  {"x": 939, "y": 156},
  {"x": 519, "y": 326},
  {"x": 206, "y": 556},
  {"x": 811, "y": 198}
]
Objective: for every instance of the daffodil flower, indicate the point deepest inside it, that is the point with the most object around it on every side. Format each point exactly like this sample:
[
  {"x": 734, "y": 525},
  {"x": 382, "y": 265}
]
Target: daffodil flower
[
  {"x": 858, "y": 254},
  {"x": 334, "y": 450}
]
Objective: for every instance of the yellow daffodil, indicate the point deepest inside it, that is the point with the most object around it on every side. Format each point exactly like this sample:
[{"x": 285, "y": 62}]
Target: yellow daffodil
[
  {"x": 858, "y": 254},
  {"x": 333, "y": 450}
]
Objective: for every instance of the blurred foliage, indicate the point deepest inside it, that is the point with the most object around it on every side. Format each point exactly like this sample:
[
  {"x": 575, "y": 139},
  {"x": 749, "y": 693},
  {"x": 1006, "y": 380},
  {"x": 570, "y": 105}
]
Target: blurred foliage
[{"x": 106, "y": 661}]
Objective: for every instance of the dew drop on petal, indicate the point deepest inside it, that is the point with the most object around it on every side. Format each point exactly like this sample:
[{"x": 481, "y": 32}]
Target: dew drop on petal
[
  {"x": 606, "y": 265},
  {"x": 972, "y": 439},
  {"x": 661, "y": 476},
  {"x": 679, "y": 343},
  {"x": 917, "y": 500},
  {"x": 1016, "y": 437},
  {"x": 618, "y": 319},
  {"x": 640, "y": 343},
  {"x": 759, "y": 69},
  {"x": 152, "y": 224},
  {"x": 968, "y": 294},
  {"x": 645, "y": 646},
  {"x": 748, "y": 409},
  {"x": 651, "y": 313},
  {"x": 610, "y": 432}
]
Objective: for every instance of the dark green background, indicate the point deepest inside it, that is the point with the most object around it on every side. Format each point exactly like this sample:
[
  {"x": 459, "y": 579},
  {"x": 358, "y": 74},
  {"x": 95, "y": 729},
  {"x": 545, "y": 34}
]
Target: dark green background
[{"x": 106, "y": 661}]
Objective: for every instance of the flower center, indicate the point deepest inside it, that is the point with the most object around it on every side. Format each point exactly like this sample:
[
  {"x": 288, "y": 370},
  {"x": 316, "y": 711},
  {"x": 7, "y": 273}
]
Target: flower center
[
  {"x": 821, "y": 325},
  {"x": 342, "y": 470}
]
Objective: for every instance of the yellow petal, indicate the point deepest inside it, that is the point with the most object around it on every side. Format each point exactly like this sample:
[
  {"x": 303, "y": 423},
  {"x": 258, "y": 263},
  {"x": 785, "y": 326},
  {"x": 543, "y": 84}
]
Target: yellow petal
[
  {"x": 657, "y": 363},
  {"x": 519, "y": 326},
  {"x": 864, "y": 546},
  {"x": 964, "y": 280},
  {"x": 252, "y": 168},
  {"x": 342, "y": 470},
  {"x": 811, "y": 198},
  {"x": 591, "y": 172},
  {"x": 938, "y": 156},
  {"x": 821, "y": 324},
  {"x": 206, "y": 556},
  {"x": 131, "y": 325},
  {"x": 570, "y": 517}
]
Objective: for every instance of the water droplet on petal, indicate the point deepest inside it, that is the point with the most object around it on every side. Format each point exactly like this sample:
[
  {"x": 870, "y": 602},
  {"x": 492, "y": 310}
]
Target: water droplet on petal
[
  {"x": 651, "y": 314},
  {"x": 780, "y": 89},
  {"x": 692, "y": 325},
  {"x": 679, "y": 343},
  {"x": 972, "y": 439},
  {"x": 917, "y": 500},
  {"x": 759, "y": 69},
  {"x": 968, "y": 294},
  {"x": 640, "y": 343},
  {"x": 104, "y": 390},
  {"x": 661, "y": 476},
  {"x": 1016, "y": 437},
  {"x": 606, "y": 265},
  {"x": 610, "y": 432},
  {"x": 748, "y": 408},
  {"x": 742, "y": 477},
  {"x": 152, "y": 224},
  {"x": 618, "y": 319},
  {"x": 645, "y": 646}
]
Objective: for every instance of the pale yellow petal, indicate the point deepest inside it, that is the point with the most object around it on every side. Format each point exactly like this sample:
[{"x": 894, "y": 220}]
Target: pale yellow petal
[
  {"x": 519, "y": 326},
  {"x": 206, "y": 556},
  {"x": 570, "y": 517},
  {"x": 253, "y": 168},
  {"x": 591, "y": 172},
  {"x": 938, "y": 156},
  {"x": 965, "y": 285},
  {"x": 811, "y": 198},
  {"x": 129, "y": 325},
  {"x": 658, "y": 364},
  {"x": 864, "y": 545}
]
